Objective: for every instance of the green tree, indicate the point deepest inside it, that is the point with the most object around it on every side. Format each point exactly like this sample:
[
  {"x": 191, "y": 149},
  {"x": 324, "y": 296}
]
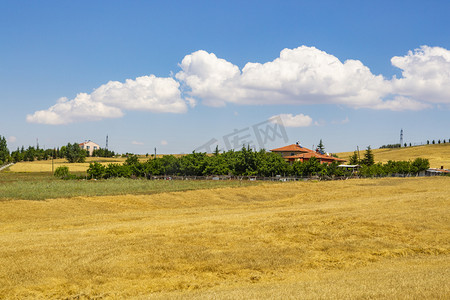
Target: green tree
[
  {"x": 321, "y": 147},
  {"x": 216, "y": 151},
  {"x": 4, "y": 152},
  {"x": 96, "y": 170},
  {"x": 420, "y": 164},
  {"x": 29, "y": 154},
  {"x": 312, "y": 167},
  {"x": 16, "y": 155},
  {"x": 353, "y": 160},
  {"x": 62, "y": 172},
  {"x": 369, "y": 158},
  {"x": 74, "y": 154}
]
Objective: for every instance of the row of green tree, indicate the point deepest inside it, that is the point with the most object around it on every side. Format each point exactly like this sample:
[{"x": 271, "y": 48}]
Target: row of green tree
[
  {"x": 433, "y": 142},
  {"x": 245, "y": 162},
  {"x": 438, "y": 141},
  {"x": 71, "y": 152}
]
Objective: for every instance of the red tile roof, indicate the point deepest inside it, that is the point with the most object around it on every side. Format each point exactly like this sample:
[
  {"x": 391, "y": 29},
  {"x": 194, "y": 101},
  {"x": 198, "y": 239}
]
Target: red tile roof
[
  {"x": 304, "y": 153},
  {"x": 292, "y": 148}
]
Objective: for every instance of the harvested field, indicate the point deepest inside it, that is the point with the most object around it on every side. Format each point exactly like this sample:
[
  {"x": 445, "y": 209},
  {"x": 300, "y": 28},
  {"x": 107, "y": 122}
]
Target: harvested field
[
  {"x": 367, "y": 238},
  {"x": 438, "y": 155},
  {"x": 46, "y": 165}
]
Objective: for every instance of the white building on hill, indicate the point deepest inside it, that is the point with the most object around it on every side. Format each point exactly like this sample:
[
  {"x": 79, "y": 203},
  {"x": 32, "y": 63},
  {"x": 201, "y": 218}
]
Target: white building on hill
[{"x": 90, "y": 146}]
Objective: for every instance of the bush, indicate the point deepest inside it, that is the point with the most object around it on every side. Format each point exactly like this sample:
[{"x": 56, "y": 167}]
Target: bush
[
  {"x": 96, "y": 170},
  {"x": 62, "y": 172}
]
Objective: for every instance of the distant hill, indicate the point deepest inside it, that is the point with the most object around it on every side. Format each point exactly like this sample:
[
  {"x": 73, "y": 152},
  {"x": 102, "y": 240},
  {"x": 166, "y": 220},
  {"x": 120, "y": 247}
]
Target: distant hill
[{"x": 438, "y": 155}]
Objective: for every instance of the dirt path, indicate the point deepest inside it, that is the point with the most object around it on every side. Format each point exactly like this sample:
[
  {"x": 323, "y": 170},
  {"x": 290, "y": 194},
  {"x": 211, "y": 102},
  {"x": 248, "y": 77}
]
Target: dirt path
[{"x": 6, "y": 166}]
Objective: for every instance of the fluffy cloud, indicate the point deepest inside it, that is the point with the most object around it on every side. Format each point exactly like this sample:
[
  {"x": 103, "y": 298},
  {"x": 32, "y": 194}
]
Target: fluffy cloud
[
  {"x": 289, "y": 120},
  {"x": 147, "y": 93},
  {"x": 209, "y": 77},
  {"x": 12, "y": 139},
  {"x": 425, "y": 75},
  {"x": 81, "y": 108},
  {"x": 401, "y": 103},
  {"x": 300, "y": 76},
  {"x": 306, "y": 75}
]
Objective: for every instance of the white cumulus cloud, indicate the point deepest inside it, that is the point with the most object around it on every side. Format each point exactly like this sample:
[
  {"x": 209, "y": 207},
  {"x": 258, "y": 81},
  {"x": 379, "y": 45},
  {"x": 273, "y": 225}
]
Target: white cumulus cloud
[
  {"x": 425, "y": 75},
  {"x": 400, "y": 103},
  {"x": 304, "y": 75},
  {"x": 289, "y": 120},
  {"x": 149, "y": 93},
  {"x": 300, "y": 76},
  {"x": 81, "y": 108}
]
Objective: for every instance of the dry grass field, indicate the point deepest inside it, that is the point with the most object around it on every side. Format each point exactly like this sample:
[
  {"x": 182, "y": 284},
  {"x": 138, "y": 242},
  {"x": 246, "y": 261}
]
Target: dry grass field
[
  {"x": 438, "y": 155},
  {"x": 362, "y": 238},
  {"x": 46, "y": 165}
]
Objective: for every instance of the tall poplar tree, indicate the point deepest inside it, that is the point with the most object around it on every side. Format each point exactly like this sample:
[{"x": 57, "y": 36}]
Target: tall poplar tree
[{"x": 4, "y": 152}]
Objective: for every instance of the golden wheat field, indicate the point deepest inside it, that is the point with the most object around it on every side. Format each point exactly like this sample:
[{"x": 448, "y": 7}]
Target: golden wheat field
[
  {"x": 46, "y": 165},
  {"x": 361, "y": 238},
  {"x": 438, "y": 155}
]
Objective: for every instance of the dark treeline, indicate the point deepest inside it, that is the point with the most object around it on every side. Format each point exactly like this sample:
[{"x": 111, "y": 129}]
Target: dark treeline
[
  {"x": 245, "y": 162},
  {"x": 433, "y": 142},
  {"x": 35, "y": 153},
  {"x": 390, "y": 146}
]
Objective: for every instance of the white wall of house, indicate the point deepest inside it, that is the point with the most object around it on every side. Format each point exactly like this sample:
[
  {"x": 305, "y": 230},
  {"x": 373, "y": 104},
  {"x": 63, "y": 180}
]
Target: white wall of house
[{"x": 89, "y": 146}]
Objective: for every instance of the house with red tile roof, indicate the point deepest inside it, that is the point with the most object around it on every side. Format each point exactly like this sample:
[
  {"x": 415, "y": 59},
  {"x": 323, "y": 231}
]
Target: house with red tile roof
[{"x": 296, "y": 152}]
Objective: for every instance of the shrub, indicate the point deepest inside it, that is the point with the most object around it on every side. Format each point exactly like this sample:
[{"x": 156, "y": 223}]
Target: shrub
[
  {"x": 96, "y": 170},
  {"x": 62, "y": 172}
]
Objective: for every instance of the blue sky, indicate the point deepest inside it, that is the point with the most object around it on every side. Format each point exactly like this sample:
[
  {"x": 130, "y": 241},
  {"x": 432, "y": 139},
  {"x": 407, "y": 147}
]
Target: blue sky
[{"x": 352, "y": 73}]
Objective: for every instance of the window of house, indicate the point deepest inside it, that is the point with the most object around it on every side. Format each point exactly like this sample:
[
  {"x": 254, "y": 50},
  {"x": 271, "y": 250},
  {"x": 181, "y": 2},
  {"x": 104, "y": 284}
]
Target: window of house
[{"x": 87, "y": 147}]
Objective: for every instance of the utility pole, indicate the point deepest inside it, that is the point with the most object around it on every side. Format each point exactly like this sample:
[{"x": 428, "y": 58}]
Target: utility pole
[
  {"x": 155, "y": 152},
  {"x": 359, "y": 157},
  {"x": 106, "y": 141}
]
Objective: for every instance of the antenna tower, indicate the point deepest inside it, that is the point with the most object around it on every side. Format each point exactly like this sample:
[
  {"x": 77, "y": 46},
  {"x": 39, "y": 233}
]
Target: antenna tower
[
  {"x": 401, "y": 138},
  {"x": 106, "y": 142}
]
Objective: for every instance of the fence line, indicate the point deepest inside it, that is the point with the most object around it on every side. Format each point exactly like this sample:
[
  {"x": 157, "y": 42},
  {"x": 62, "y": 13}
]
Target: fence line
[{"x": 279, "y": 178}]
